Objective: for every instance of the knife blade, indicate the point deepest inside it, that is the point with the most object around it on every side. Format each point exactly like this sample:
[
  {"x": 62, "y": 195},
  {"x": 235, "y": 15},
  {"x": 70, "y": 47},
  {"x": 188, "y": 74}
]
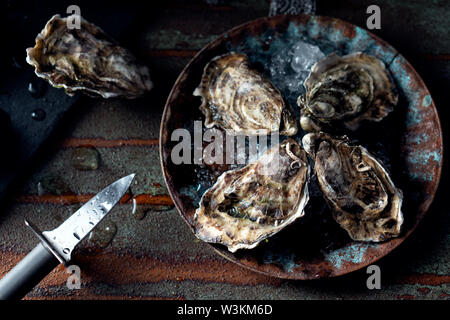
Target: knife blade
[{"x": 56, "y": 246}]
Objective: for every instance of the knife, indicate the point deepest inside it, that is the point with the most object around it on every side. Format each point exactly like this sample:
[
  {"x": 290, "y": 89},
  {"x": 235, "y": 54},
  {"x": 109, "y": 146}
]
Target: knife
[{"x": 56, "y": 246}]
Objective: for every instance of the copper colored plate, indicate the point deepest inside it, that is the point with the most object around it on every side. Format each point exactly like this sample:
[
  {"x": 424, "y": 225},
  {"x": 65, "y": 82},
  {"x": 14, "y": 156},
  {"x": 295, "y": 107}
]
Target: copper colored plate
[{"x": 408, "y": 141}]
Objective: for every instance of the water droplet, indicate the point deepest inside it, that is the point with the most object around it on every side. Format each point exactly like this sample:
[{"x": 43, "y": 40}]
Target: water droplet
[
  {"x": 52, "y": 185},
  {"x": 66, "y": 250},
  {"x": 133, "y": 210},
  {"x": 38, "y": 114},
  {"x": 40, "y": 189},
  {"x": 37, "y": 88},
  {"x": 102, "y": 236},
  {"x": 85, "y": 159},
  {"x": 139, "y": 214}
]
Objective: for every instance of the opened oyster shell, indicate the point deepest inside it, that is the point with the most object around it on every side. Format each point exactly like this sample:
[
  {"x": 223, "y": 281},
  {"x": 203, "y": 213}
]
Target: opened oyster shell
[
  {"x": 238, "y": 98},
  {"x": 360, "y": 192},
  {"x": 250, "y": 204},
  {"x": 87, "y": 60},
  {"x": 343, "y": 91}
]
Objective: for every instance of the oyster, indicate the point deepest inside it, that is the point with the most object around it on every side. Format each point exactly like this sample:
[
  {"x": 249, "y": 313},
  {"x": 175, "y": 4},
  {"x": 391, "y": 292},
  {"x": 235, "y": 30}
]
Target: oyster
[
  {"x": 343, "y": 91},
  {"x": 358, "y": 189},
  {"x": 238, "y": 98},
  {"x": 250, "y": 204},
  {"x": 88, "y": 60}
]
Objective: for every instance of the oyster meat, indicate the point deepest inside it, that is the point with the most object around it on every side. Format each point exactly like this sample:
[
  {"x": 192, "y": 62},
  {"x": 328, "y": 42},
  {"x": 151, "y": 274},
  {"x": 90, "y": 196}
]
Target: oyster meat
[
  {"x": 343, "y": 91},
  {"x": 250, "y": 204},
  {"x": 362, "y": 196},
  {"x": 88, "y": 60},
  {"x": 240, "y": 99}
]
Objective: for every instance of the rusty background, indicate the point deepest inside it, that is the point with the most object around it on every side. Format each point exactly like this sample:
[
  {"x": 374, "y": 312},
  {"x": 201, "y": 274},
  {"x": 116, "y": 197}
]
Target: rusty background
[{"x": 153, "y": 254}]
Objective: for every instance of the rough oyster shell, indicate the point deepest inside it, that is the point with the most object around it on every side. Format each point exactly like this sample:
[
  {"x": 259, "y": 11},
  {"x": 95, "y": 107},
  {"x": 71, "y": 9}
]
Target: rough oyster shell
[
  {"x": 238, "y": 98},
  {"x": 88, "y": 60},
  {"x": 250, "y": 204},
  {"x": 343, "y": 91},
  {"x": 360, "y": 192}
]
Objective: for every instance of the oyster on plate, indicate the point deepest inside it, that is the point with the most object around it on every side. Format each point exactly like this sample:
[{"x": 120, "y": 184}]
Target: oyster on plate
[
  {"x": 248, "y": 205},
  {"x": 362, "y": 196},
  {"x": 343, "y": 91},
  {"x": 88, "y": 60},
  {"x": 240, "y": 99}
]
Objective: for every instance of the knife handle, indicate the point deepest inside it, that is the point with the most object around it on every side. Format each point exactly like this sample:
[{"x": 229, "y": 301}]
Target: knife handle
[{"x": 27, "y": 273}]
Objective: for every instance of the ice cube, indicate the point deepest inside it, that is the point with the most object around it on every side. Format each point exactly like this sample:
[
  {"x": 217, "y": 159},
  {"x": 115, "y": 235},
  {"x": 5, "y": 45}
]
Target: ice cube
[
  {"x": 304, "y": 56},
  {"x": 290, "y": 65}
]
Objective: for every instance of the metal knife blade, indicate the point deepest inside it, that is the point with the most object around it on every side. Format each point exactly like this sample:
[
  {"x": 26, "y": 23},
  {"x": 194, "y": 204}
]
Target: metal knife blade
[
  {"x": 64, "y": 238},
  {"x": 57, "y": 245}
]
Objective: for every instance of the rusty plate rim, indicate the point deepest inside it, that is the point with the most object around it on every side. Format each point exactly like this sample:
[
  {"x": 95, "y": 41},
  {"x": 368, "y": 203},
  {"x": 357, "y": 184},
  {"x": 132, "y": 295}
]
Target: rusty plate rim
[{"x": 273, "y": 21}]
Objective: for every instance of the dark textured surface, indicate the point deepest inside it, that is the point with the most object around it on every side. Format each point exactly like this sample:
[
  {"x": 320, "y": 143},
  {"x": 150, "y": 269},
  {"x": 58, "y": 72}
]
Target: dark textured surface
[
  {"x": 157, "y": 256},
  {"x": 34, "y": 107}
]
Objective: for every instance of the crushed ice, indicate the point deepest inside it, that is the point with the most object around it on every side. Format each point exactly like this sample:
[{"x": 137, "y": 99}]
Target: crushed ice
[{"x": 288, "y": 70}]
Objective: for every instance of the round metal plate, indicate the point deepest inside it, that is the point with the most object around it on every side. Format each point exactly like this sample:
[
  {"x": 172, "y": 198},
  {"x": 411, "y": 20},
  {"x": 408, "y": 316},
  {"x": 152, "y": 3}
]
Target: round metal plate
[{"x": 408, "y": 141}]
